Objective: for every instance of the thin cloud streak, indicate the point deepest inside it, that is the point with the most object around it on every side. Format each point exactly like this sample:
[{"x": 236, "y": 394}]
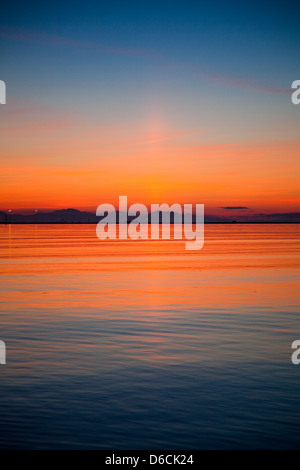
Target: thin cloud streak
[
  {"x": 224, "y": 80},
  {"x": 27, "y": 35},
  {"x": 229, "y": 208},
  {"x": 237, "y": 82}
]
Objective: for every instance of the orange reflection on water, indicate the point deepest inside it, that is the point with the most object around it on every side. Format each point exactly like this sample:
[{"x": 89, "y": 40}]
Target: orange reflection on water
[{"x": 59, "y": 266}]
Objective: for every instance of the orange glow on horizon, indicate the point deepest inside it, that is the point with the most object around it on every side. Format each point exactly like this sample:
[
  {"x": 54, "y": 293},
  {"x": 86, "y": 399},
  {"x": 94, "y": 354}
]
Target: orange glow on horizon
[{"x": 72, "y": 163}]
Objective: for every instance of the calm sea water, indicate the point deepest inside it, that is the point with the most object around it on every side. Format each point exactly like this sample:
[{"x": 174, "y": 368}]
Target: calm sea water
[{"x": 143, "y": 345}]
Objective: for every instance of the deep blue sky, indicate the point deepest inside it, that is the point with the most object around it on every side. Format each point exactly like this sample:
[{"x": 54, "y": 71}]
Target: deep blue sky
[{"x": 255, "y": 40}]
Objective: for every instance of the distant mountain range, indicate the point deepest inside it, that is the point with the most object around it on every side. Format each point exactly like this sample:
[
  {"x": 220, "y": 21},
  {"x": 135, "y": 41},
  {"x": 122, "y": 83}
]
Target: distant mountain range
[{"x": 74, "y": 216}]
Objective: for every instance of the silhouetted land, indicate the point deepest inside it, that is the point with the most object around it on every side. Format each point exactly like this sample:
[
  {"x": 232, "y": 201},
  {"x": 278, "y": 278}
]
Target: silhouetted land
[{"x": 74, "y": 216}]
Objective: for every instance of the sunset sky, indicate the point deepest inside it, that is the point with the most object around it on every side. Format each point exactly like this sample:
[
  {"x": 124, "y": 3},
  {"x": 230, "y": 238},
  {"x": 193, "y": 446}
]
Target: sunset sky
[{"x": 162, "y": 101}]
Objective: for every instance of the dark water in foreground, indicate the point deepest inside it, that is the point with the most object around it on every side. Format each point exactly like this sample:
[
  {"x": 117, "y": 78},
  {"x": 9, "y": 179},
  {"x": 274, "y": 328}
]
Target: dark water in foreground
[{"x": 143, "y": 345}]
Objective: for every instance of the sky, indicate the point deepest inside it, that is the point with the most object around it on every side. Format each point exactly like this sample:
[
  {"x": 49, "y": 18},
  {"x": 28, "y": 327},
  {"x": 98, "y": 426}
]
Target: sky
[{"x": 162, "y": 101}]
